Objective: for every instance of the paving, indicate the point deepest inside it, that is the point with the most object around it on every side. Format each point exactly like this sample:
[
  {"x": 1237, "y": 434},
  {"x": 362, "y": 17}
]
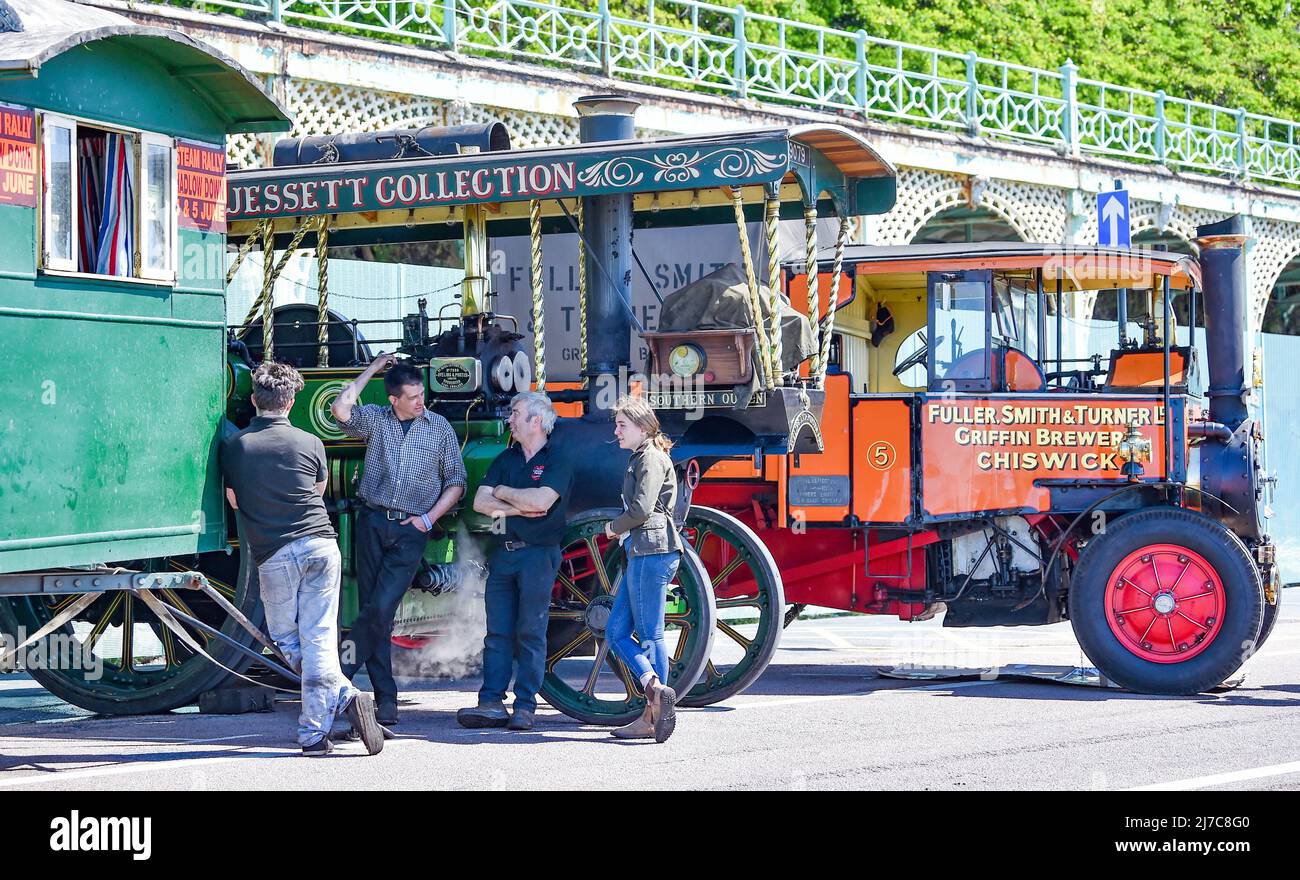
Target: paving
[{"x": 822, "y": 717}]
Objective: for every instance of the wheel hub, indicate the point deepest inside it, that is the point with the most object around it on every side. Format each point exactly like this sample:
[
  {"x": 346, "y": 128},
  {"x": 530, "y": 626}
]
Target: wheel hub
[
  {"x": 1165, "y": 603},
  {"x": 596, "y": 616}
]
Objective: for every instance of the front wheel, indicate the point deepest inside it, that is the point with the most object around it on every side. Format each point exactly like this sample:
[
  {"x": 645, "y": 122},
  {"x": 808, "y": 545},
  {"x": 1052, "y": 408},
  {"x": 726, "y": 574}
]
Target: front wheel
[
  {"x": 584, "y": 679},
  {"x": 1166, "y": 601}
]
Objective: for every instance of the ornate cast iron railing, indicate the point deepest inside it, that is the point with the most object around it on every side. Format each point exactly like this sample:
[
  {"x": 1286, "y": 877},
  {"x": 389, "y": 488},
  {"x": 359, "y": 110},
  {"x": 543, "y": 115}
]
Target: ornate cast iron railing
[{"x": 726, "y": 49}]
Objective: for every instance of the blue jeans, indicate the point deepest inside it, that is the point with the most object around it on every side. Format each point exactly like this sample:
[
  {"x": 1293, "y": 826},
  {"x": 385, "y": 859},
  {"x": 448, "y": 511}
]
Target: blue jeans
[
  {"x": 639, "y": 606},
  {"x": 300, "y": 592},
  {"x": 517, "y": 597}
]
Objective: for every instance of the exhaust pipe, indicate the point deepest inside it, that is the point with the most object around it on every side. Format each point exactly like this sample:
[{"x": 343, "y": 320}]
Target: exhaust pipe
[
  {"x": 608, "y": 230},
  {"x": 1223, "y": 273},
  {"x": 1231, "y": 456}
]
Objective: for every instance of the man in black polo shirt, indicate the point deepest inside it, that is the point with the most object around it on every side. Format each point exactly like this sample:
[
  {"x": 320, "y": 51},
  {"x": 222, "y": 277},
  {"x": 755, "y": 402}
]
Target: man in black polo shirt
[
  {"x": 275, "y": 475},
  {"x": 527, "y": 491}
]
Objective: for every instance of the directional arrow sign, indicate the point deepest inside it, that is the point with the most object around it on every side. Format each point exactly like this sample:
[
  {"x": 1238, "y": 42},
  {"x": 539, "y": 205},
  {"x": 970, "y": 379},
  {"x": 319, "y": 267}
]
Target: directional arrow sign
[{"x": 1113, "y": 219}]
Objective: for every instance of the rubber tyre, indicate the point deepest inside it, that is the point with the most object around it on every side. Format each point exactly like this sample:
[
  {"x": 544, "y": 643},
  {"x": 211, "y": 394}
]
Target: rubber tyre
[
  {"x": 769, "y": 602},
  {"x": 1242, "y": 614}
]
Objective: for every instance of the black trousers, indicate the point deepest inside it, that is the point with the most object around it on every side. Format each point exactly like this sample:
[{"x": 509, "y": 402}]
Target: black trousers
[{"x": 388, "y": 556}]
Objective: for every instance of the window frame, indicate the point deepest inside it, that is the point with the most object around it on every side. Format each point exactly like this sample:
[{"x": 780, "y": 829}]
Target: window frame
[
  {"x": 47, "y": 262},
  {"x": 167, "y": 274},
  {"x": 983, "y": 277},
  {"x": 68, "y": 269}
]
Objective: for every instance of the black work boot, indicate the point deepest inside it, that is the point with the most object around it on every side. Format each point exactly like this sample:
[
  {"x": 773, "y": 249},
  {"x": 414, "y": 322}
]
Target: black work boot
[
  {"x": 386, "y": 711},
  {"x": 483, "y": 715},
  {"x": 521, "y": 719}
]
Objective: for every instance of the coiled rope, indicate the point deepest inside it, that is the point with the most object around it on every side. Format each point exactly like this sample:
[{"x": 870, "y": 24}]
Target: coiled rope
[
  {"x": 755, "y": 304},
  {"x": 828, "y": 321},
  {"x": 539, "y": 315},
  {"x": 772, "y": 213}
]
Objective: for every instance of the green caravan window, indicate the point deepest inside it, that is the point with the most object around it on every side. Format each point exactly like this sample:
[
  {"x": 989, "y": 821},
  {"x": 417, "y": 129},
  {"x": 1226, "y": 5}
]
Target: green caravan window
[
  {"x": 157, "y": 207},
  {"x": 109, "y": 205},
  {"x": 59, "y": 216}
]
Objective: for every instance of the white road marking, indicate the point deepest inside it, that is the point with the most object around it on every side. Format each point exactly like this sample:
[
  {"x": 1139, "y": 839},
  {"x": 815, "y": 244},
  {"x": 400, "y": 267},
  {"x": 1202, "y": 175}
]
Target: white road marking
[{"x": 1222, "y": 778}]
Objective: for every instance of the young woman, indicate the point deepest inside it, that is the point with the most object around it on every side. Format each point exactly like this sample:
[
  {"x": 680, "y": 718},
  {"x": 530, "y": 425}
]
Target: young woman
[{"x": 653, "y": 551}]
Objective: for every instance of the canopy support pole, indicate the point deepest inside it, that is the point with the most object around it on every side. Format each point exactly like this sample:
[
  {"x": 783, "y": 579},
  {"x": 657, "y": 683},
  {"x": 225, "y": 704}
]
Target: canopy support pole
[
  {"x": 772, "y": 214},
  {"x": 827, "y": 327},
  {"x": 582, "y": 292},
  {"x": 539, "y": 311},
  {"x": 810, "y": 268},
  {"x": 322, "y": 291},
  {"x": 755, "y": 304}
]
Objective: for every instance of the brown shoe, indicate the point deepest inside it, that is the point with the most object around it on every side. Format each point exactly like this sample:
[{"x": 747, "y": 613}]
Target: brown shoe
[
  {"x": 641, "y": 728},
  {"x": 661, "y": 700}
]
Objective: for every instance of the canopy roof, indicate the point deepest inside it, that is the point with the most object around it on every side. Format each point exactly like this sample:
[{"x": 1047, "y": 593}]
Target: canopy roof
[
  {"x": 1081, "y": 267},
  {"x": 33, "y": 32},
  {"x": 803, "y": 164}
]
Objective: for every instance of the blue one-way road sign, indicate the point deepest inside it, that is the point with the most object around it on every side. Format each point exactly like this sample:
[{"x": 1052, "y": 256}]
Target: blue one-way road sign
[{"x": 1113, "y": 228}]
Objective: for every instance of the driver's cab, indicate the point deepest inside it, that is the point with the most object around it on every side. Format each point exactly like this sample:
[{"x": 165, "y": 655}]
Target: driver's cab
[
  {"x": 977, "y": 336},
  {"x": 1013, "y": 317},
  {"x": 1013, "y": 366}
]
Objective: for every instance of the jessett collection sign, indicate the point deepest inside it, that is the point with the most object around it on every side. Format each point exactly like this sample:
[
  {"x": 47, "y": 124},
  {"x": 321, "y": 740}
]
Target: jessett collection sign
[{"x": 458, "y": 180}]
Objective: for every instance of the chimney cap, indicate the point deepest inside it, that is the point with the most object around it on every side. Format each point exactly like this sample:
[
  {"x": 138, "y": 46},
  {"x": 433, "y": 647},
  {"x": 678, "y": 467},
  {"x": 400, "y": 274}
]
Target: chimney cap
[{"x": 606, "y": 105}]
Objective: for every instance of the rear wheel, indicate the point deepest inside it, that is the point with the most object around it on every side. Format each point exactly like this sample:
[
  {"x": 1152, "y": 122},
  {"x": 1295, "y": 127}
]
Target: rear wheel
[
  {"x": 584, "y": 679},
  {"x": 750, "y": 599},
  {"x": 128, "y": 662},
  {"x": 1167, "y": 601}
]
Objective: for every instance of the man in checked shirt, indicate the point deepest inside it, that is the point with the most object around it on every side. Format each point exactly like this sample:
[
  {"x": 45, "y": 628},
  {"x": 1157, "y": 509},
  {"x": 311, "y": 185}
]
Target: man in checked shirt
[{"x": 413, "y": 474}]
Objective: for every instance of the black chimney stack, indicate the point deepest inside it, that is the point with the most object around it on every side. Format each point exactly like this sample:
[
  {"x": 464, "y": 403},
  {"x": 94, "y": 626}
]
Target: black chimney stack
[
  {"x": 608, "y": 230},
  {"x": 1223, "y": 281}
]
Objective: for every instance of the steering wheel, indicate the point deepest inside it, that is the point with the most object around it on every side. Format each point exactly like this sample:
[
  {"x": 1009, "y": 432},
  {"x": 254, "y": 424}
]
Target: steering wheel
[{"x": 916, "y": 358}]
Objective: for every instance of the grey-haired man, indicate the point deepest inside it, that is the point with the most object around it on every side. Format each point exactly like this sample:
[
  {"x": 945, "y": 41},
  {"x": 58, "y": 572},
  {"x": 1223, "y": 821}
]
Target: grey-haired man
[
  {"x": 275, "y": 477},
  {"x": 527, "y": 490}
]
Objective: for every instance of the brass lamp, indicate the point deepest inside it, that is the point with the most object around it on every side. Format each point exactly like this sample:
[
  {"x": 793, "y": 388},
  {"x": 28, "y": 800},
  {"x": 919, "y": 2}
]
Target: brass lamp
[{"x": 1133, "y": 449}]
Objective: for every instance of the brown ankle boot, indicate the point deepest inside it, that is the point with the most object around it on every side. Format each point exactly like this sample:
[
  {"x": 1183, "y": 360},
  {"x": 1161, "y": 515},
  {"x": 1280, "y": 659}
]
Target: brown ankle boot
[
  {"x": 642, "y": 728},
  {"x": 661, "y": 703}
]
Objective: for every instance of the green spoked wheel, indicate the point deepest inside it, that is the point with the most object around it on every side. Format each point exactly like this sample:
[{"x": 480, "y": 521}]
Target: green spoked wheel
[
  {"x": 750, "y": 599},
  {"x": 116, "y": 658},
  {"x": 584, "y": 679}
]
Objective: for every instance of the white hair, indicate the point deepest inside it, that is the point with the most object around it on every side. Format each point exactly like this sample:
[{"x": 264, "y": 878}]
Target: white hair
[{"x": 537, "y": 404}]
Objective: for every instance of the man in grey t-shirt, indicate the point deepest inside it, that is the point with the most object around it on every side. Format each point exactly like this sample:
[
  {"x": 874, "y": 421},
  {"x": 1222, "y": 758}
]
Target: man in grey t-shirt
[{"x": 275, "y": 476}]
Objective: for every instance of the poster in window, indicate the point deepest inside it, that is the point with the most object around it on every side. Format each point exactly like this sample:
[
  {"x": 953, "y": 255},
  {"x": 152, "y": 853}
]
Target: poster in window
[
  {"x": 201, "y": 185},
  {"x": 17, "y": 156}
]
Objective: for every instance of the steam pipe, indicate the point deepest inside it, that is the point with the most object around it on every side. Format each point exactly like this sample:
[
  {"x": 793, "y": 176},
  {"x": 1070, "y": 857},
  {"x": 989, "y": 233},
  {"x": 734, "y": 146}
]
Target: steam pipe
[
  {"x": 609, "y": 238},
  {"x": 1209, "y": 431}
]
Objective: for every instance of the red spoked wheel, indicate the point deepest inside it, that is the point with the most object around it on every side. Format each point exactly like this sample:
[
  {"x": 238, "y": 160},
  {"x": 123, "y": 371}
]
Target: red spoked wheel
[{"x": 1165, "y": 603}]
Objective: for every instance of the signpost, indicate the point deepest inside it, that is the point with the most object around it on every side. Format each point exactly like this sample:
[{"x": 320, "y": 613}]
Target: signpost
[{"x": 1113, "y": 227}]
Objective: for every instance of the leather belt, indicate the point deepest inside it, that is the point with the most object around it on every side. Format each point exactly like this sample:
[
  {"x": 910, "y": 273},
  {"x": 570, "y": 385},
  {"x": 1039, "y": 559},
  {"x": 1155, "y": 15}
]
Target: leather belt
[{"x": 390, "y": 514}]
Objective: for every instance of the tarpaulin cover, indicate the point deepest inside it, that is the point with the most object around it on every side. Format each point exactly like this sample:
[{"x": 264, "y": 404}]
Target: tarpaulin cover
[{"x": 720, "y": 301}]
